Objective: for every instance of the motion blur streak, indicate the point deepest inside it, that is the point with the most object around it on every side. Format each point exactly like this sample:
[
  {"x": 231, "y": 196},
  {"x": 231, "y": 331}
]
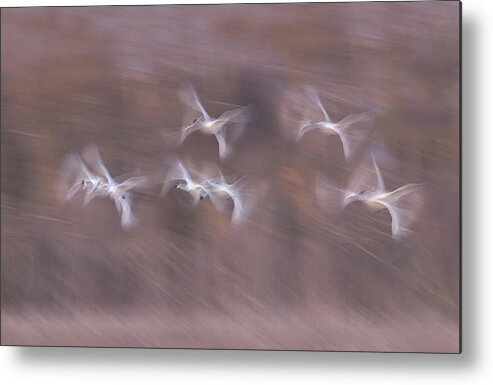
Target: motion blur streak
[{"x": 296, "y": 275}]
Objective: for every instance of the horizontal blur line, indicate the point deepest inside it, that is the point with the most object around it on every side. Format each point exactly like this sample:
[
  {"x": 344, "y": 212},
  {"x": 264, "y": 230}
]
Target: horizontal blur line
[
  {"x": 78, "y": 235},
  {"x": 18, "y": 233},
  {"x": 47, "y": 218},
  {"x": 9, "y": 207},
  {"x": 38, "y": 216},
  {"x": 368, "y": 252},
  {"x": 24, "y": 133},
  {"x": 223, "y": 103}
]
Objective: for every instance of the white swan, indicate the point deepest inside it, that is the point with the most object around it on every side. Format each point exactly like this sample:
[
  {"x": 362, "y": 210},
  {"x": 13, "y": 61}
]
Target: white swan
[
  {"x": 378, "y": 198},
  {"x": 179, "y": 177},
  {"x": 327, "y": 126},
  {"x": 209, "y": 125},
  {"x": 367, "y": 186},
  {"x": 118, "y": 189},
  {"x": 220, "y": 192}
]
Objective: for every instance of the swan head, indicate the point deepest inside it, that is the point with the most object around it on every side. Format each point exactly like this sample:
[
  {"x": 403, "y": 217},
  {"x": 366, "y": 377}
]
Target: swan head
[
  {"x": 354, "y": 197},
  {"x": 202, "y": 194},
  {"x": 198, "y": 120}
]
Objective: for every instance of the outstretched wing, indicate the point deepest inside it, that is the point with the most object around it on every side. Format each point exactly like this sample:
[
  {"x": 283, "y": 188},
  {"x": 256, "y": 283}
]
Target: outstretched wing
[
  {"x": 190, "y": 97},
  {"x": 238, "y": 115},
  {"x": 404, "y": 205},
  {"x": 175, "y": 172},
  {"x": 380, "y": 182},
  {"x": 351, "y": 119},
  {"x": 73, "y": 190},
  {"x": 234, "y": 123},
  {"x": 223, "y": 147},
  {"x": 73, "y": 172},
  {"x": 70, "y": 177},
  {"x": 363, "y": 179},
  {"x": 132, "y": 182},
  {"x": 183, "y": 173},
  {"x": 91, "y": 155},
  {"x": 188, "y": 130},
  {"x": 220, "y": 200},
  {"x": 245, "y": 203},
  {"x": 351, "y": 133},
  {"x": 231, "y": 196},
  {"x": 316, "y": 98},
  {"x": 401, "y": 192},
  {"x": 296, "y": 109},
  {"x": 305, "y": 128},
  {"x": 127, "y": 218}
]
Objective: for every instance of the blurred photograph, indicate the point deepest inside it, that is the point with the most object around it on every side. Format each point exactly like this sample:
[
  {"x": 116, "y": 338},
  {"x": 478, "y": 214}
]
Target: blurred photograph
[{"x": 237, "y": 176}]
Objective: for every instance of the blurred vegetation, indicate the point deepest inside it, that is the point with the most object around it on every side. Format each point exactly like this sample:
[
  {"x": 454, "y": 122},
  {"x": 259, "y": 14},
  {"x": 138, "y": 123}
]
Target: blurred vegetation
[{"x": 110, "y": 76}]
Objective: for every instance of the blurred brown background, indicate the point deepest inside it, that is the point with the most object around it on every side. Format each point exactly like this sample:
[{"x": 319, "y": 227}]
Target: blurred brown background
[{"x": 293, "y": 277}]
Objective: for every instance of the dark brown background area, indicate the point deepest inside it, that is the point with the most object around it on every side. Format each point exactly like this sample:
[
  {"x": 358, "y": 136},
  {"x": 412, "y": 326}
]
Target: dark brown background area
[{"x": 294, "y": 277}]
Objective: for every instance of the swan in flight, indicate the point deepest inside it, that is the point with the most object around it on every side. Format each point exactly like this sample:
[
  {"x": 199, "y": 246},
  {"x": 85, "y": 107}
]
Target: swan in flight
[
  {"x": 84, "y": 181},
  {"x": 329, "y": 127},
  {"x": 379, "y": 198},
  {"x": 102, "y": 184},
  {"x": 209, "y": 125},
  {"x": 179, "y": 178},
  {"x": 367, "y": 186},
  {"x": 118, "y": 189},
  {"x": 221, "y": 192}
]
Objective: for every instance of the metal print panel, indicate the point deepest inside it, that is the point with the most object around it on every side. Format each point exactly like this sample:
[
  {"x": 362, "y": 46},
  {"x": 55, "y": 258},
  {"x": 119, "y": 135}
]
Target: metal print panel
[{"x": 262, "y": 176}]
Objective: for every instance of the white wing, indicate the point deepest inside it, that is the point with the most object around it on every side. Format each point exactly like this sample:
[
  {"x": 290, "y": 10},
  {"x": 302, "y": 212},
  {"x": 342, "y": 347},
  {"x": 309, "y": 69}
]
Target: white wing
[
  {"x": 363, "y": 179},
  {"x": 396, "y": 228},
  {"x": 223, "y": 196},
  {"x": 397, "y": 194},
  {"x": 404, "y": 205},
  {"x": 223, "y": 148},
  {"x": 127, "y": 218},
  {"x": 131, "y": 183},
  {"x": 238, "y": 214},
  {"x": 73, "y": 172},
  {"x": 69, "y": 180},
  {"x": 176, "y": 172},
  {"x": 219, "y": 199},
  {"x": 380, "y": 182},
  {"x": 73, "y": 190},
  {"x": 346, "y": 143},
  {"x": 353, "y": 119},
  {"x": 316, "y": 98},
  {"x": 295, "y": 110},
  {"x": 90, "y": 176},
  {"x": 244, "y": 205},
  {"x": 190, "y": 97},
  {"x": 352, "y": 138},
  {"x": 306, "y": 128},
  {"x": 91, "y": 154},
  {"x": 183, "y": 172},
  {"x": 186, "y": 131},
  {"x": 238, "y": 115}
]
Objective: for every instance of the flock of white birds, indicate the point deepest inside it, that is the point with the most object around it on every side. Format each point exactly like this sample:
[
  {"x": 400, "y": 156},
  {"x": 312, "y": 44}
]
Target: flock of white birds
[{"x": 87, "y": 172}]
